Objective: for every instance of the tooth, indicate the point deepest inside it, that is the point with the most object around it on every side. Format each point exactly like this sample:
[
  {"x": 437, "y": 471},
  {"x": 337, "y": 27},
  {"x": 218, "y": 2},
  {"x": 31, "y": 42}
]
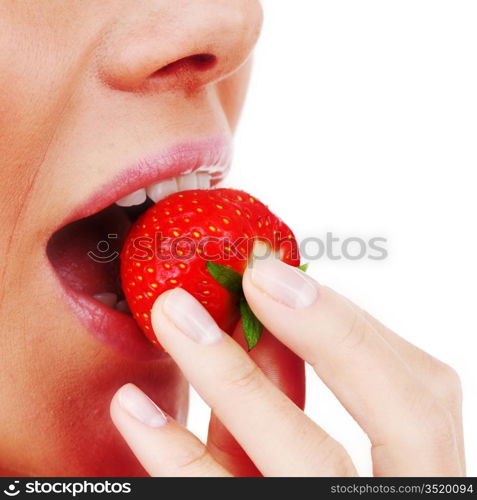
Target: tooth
[
  {"x": 203, "y": 181},
  {"x": 162, "y": 189},
  {"x": 106, "y": 298},
  {"x": 188, "y": 181},
  {"x": 136, "y": 198},
  {"x": 122, "y": 306}
]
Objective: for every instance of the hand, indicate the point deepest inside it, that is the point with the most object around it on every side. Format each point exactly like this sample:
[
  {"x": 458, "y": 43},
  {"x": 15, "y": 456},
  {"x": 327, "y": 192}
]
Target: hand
[{"x": 407, "y": 402}]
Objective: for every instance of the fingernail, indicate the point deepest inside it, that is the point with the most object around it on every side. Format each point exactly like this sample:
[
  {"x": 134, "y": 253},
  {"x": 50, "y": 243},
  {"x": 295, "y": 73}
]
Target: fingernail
[
  {"x": 190, "y": 317},
  {"x": 261, "y": 250},
  {"x": 139, "y": 406},
  {"x": 285, "y": 284}
]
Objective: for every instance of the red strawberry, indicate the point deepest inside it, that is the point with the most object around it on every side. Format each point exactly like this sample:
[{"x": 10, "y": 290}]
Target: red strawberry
[{"x": 200, "y": 240}]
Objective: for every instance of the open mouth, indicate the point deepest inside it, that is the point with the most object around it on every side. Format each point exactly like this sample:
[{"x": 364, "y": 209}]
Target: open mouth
[{"x": 84, "y": 252}]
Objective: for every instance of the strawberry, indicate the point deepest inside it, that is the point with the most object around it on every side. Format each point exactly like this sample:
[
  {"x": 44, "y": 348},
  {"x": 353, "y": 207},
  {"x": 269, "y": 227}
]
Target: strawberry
[{"x": 201, "y": 240}]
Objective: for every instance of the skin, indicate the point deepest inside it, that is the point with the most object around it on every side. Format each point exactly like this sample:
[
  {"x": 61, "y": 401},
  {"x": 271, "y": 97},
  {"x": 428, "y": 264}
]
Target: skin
[
  {"x": 408, "y": 403},
  {"x": 81, "y": 97}
]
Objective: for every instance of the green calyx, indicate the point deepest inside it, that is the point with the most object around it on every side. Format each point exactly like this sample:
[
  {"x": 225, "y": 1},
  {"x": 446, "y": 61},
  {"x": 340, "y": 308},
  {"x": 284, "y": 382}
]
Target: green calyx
[{"x": 231, "y": 280}]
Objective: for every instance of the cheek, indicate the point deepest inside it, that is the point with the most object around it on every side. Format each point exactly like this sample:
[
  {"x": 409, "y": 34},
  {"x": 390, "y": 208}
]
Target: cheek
[
  {"x": 39, "y": 67},
  {"x": 232, "y": 92},
  {"x": 33, "y": 93}
]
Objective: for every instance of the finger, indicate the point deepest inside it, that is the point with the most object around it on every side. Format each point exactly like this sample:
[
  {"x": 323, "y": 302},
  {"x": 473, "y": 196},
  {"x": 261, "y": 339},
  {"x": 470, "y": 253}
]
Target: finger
[
  {"x": 439, "y": 377},
  {"x": 162, "y": 446},
  {"x": 411, "y": 432},
  {"x": 279, "y": 438},
  {"x": 286, "y": 370}
]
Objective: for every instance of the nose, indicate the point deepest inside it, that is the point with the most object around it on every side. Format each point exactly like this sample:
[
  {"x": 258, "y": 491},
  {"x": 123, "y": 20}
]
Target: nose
[{"x": 178, "y": 45}]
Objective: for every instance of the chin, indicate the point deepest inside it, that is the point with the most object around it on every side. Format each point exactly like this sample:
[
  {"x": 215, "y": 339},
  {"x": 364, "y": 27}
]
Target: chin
[
  {"x": 67, "y": 431},
  {"x": 98, "y": 449}
]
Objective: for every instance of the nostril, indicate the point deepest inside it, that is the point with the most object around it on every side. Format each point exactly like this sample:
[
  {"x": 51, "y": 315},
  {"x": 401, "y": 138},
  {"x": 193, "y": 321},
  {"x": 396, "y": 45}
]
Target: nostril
[
  {"x": 197, "y": 62},
  {"x": 203, "y": 61}
]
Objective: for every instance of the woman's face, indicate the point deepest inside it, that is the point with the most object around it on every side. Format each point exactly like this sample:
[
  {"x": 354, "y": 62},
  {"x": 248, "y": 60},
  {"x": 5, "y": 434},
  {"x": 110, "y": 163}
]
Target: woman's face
[{"x": 98, "y": 99}]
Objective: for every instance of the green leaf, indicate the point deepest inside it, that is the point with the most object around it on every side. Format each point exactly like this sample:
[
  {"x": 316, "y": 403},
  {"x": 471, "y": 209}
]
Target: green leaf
[
  {"x": 225, "y": 276},
  {"x": 252, "y": 327},
  {"x": 304, "y": 267},
  {"x": 232, "y": 281}
]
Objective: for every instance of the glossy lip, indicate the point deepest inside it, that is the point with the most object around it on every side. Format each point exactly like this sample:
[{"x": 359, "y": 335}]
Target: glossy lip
[
  {"x": 214, "y": 153},
  {"x": 115, "y": 329}
]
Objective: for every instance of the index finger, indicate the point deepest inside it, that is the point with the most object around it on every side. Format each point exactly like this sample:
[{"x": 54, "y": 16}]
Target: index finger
[{"x": 411, "y": 432}]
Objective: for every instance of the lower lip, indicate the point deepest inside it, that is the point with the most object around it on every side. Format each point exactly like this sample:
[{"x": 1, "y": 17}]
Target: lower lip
[{"x": 117, "y": 330}]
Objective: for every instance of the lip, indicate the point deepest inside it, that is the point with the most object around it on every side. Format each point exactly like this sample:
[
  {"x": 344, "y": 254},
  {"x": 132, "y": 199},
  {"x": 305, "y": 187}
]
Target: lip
[
  {"x": 182, "y": 158},
  {"x": 117, "y": 330}
]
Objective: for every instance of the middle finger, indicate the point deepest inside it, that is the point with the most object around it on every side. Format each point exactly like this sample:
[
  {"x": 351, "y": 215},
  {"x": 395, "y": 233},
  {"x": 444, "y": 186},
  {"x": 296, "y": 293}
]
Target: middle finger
[{"x": 279, "y": 438}]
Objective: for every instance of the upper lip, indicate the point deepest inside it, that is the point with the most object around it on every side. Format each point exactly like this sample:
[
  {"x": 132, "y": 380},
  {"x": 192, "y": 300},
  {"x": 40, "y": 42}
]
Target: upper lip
[{"x": 212, "y": 155}]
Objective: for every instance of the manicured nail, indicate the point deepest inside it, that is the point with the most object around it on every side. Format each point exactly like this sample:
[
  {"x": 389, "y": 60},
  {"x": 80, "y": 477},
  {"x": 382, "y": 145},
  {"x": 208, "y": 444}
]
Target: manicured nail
[
  {"x": 285, "y": 284},
  {"x": 139, "y": 406},
  {"x": 190, "y": 317},
  {"x": 261, "y": 250}
]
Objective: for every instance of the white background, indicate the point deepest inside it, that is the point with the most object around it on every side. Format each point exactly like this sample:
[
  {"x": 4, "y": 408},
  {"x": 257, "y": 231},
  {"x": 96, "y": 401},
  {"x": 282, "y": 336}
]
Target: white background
[{"x": 362, "y": 120}]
